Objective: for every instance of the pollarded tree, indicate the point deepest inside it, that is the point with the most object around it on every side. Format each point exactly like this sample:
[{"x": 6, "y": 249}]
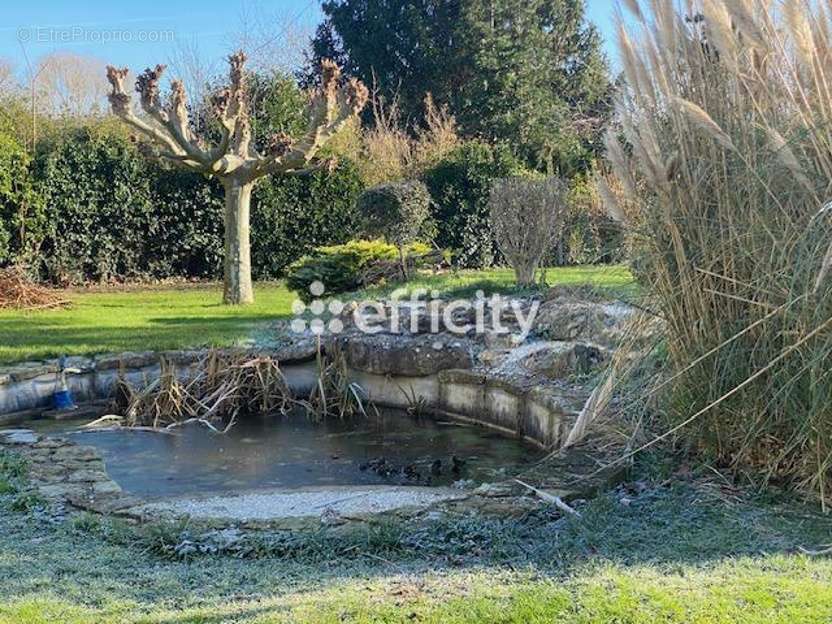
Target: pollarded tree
[{"x": 234, "y": 160}]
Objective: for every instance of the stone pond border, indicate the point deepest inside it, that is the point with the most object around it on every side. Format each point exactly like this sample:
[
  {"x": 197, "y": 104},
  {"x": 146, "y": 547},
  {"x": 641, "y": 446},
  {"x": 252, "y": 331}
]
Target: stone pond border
[{"x": 538, "y": 415}]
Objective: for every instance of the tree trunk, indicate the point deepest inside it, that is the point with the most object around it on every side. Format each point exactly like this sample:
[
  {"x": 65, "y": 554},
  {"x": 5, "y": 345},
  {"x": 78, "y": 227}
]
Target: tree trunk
[
  {"x": 237, "y": 264},
  {"x": 403, "y": 262},
  {"x": 525, "y": 273}
]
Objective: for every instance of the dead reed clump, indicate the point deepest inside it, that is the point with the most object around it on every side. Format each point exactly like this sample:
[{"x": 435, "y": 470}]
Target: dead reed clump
[
  {"x": 222, "y": 388},
  {"x": 19, "y": 292},
  {"x": 334, "y": 394},
  {"x": 722, "y": 166}
]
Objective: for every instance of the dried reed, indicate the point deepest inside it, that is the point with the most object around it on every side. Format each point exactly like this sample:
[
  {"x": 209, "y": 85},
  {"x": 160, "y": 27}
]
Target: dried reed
[
  {"x": 736, "y": 104},
  {"x": 218, "y": 389}
]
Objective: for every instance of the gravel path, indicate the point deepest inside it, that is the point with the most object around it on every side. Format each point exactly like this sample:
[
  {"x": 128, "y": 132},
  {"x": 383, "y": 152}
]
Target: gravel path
[{"x": 316, "y": 502}]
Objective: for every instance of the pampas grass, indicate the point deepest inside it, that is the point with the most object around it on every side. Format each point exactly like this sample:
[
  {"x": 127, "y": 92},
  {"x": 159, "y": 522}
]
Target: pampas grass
[{"x": 727, "y": 161}]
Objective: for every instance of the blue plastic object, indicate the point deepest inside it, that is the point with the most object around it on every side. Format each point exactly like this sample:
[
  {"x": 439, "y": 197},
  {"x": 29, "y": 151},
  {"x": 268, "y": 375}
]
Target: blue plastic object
[{"x": 62, "y": 400}]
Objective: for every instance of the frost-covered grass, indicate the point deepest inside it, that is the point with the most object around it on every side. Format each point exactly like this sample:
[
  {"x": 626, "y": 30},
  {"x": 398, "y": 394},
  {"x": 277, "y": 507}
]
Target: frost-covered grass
[{"x": 686, "y": 553}]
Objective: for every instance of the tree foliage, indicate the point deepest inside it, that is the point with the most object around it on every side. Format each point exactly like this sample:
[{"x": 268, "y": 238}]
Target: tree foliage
[
  {"x": 526, "y": 71},
  {"x": 460, "y": 186},
  {"x": 21, "y": 207}
]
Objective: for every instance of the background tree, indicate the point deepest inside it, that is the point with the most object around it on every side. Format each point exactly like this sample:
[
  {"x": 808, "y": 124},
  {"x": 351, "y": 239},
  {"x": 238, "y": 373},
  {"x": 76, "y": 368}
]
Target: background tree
[
  {"x": 8, "y": 84},
  {"x": 524, "y": 217},
  {"x": 529, "y": 72},
  {"x": 459, "y": 186},
  {"x": 70, "y": 85},
  {"x": 234, "y": 160}
]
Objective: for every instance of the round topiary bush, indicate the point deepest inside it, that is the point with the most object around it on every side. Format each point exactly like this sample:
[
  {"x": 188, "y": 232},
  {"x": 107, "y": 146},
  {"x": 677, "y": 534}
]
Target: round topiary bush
[{"x": 397, "y": 211}]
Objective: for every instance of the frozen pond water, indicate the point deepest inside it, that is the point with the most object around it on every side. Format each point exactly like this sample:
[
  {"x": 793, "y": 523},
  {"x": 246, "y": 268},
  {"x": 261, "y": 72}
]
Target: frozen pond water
[{"x": 393, "y": 448}]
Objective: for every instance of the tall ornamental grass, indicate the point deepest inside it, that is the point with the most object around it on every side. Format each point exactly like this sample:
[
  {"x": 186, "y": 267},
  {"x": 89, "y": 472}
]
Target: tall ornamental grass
[{"x": 722, "y": 171}]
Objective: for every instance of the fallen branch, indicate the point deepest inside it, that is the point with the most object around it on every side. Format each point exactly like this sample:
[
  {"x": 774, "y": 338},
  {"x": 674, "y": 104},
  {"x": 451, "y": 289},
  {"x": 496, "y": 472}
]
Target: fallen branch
[
  {"x": 120, "y": 428},
  {"x": 205, "y": 423},
  {"x": 557, "y": 501},
  {"x": 108, "y": 419},
  {"x": 19, "y": 292}
]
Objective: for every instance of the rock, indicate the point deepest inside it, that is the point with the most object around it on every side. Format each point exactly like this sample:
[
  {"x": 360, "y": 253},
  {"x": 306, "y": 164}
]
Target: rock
[
  {"x": 31, "y": 370},
  {"x": 109, "y": 504},
  {"x": 62, "y": 491},
  {"x": 76, "y": 453},
  {"x": 500, "y": 340},
  {"x": 463, "y": 484},
  {"x": 600, "y": 323},
  {"x": 88, "y": 476},
  {"x": 128, "y": 360},
  {"x": 559, "y": 359},
  {"x": 330, "y": 517},
  {"x": 19, "y": 436},
  {"x": 49, "y": 473},
  {"x": 81, "y": 363},
  {"x": 297, "y": 349},
  {"x": 402, "y": 355},
  {"x": 492, "y": 357},
  {"x": 51, "y": 443},
  {"x": 106, "y": 487},
  {"x": 494, "y": 490}
]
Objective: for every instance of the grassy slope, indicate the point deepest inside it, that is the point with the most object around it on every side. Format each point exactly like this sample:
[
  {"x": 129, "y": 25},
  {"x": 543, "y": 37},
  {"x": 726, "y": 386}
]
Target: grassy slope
[
  {"x": 683, "y": 554},
  {"x": 174, "y": 318}
]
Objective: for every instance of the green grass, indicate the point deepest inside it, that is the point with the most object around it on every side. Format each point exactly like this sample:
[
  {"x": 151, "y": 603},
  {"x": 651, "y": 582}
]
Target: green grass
[
  {"x": 139, "y": 320},
  {"x": 615, "y": 280},
  {"x": 672, "y": 555},
  {"x": 172, "y": 318}
]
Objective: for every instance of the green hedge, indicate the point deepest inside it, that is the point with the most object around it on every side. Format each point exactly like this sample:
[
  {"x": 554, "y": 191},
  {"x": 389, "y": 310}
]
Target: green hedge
[
  {"x": 460, "y": 185},
  {"x": 112, "y": 214},
  {"x": 292, "y": 215},
  {"x": 91, "y": 207},
  {"x": 97, "y": 194}
]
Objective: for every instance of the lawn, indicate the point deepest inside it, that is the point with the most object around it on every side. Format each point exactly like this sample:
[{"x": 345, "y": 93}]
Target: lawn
[
  {"x": 171, "y": 318},
  {"x": 686, "y": 553}
]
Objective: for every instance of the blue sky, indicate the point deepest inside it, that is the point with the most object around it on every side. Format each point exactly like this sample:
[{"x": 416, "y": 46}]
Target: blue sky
[{"x": 146, "y": 31}]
